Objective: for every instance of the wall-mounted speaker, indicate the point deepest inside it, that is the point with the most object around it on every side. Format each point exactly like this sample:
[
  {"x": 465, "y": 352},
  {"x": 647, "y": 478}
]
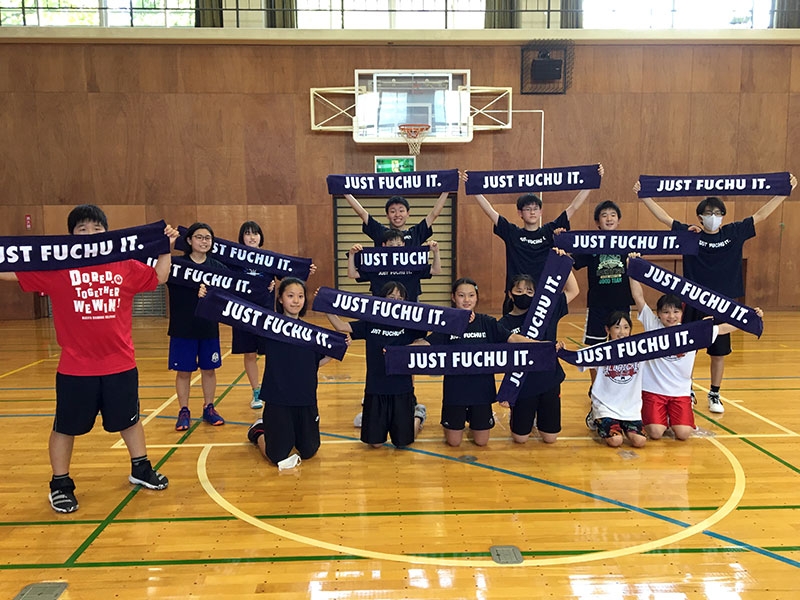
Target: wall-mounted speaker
[{"x": 546, "y": 67}]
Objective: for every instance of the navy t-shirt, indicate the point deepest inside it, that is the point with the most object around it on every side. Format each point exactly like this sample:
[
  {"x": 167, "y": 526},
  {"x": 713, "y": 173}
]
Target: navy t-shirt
[
  {"x": 379, "y": 337},
  {"x": 290, "y": 375},
  {"x": 413, "y": 236},
  {"x": 464, "y": 390},
  {"x": 718, "y": 264},
  {"x": 527, "y": 251},
  {"x": 183, "y": 303},
  {"x": 607, "y": 277},
  {"x": 538, "y": 382}
]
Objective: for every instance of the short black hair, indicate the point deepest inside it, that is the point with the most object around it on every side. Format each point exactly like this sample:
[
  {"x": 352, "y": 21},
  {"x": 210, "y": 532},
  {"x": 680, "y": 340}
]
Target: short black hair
[
  {"x": 396, "y": 200},
  {"x": 388, "y": 287},
  {"x": 86, "y": 212},
  {"x": 465, "y": 281},
  {"x": 669, "y": 301},
  {"x": 286, "y": 282},
  {"x": 605, "y": 205},
  {"x": 190, "y": 232},
  {"x": 713, "y": 202},
  {"x": 617, "y": 316},
  {"x": 392, "y": 234},
  {"x": 527, "y": 199},
  {"x": 251, "y": 227}
]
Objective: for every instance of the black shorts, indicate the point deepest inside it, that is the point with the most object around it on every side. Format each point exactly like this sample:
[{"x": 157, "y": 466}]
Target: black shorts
[
  {"x": 596, "y": 319},
  {"x": 479, "y": 416},
  {"x": 545, "y": 407},
  {"x": 287, "y": 427},
  {"x": 79, "y": 398},
  {"x": 607, "y": 427},
  {"x": 721, "y": 345},
  {"x": 391, "y": 414},
  {"x": 244, "y": 342}
]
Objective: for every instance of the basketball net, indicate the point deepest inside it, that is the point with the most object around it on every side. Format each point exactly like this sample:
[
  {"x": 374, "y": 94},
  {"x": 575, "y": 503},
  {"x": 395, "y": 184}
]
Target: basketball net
[{"x": 414, "y": 133}]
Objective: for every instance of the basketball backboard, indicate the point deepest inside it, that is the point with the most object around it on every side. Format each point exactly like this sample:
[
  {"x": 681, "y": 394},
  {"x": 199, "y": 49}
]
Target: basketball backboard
[{"x": 386, "y": 99}]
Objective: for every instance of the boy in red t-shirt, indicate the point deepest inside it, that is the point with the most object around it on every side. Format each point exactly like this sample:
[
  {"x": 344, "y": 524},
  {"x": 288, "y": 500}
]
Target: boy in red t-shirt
[{"x": 97, "y": 369}]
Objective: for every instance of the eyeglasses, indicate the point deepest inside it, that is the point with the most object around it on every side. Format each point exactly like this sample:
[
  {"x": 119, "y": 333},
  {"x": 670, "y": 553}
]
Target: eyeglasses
[
  {"x": 530, "y": 209},
  {"x": 202, "y": 238},
  {"x": 716, "y": 213}
]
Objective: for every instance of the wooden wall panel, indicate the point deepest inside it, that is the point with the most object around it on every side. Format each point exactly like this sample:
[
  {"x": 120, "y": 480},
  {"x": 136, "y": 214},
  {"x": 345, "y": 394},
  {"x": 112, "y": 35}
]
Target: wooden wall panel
[
  {"x": 789, "y": 286},
  {"x": 763, "y": 270},
  {"x": 221, "y": 132}
]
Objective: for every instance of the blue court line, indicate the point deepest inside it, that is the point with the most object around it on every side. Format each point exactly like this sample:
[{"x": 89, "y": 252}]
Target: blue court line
[{"x": 593, "y": 496}]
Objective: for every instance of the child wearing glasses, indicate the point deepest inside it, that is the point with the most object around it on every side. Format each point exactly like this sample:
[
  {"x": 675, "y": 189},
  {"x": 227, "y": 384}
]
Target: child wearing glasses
[{"x": 194, "y": 341}]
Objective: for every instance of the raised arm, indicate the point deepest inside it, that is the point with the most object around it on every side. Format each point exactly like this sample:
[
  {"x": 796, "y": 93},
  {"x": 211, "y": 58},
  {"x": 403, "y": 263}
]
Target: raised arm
[
  {"x": 571, "y": 289},
  {"x": 637, "y": 291},
  {"x": 164, "y": 261},
  {"x": 436, "y": 266},
  {"x": 437, "y": 209},
  {"x": 352, "y": 272},
  {"x": 356, "y": 206},
  {"x": 482, "y": 201},
  {"x": 581, "y": 196},
  {"x": 766, "y": 210},
  {"x": 658, "y": 212},
  {"x": 10, "y": 276}
]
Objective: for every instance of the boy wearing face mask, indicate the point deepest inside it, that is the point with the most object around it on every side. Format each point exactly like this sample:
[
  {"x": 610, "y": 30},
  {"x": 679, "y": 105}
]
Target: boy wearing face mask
[
  {"x": 539, "y": 400},
  {"x": 718, "y": 266}
]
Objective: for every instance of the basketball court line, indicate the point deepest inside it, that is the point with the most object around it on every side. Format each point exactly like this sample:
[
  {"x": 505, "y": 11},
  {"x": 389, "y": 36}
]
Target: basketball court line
[
  {"x": 33, "y": 364},
  {"x": 755, "y": 415},
  {"x": 688, "y": 531}
]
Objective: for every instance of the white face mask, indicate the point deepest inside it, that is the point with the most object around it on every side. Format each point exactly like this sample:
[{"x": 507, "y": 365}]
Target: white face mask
[{"x": 711, "y": 222}]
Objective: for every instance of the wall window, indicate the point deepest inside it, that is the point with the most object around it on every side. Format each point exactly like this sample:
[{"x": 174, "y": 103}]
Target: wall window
[
  {"x": 676, "y": 14},
  {"x": 390, "y": 14}
]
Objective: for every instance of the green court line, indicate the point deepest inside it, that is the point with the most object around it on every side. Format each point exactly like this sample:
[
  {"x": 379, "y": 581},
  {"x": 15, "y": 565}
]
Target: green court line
[
  {"x": 110, "y": 518},
  {"x": 341, "y": 557}
]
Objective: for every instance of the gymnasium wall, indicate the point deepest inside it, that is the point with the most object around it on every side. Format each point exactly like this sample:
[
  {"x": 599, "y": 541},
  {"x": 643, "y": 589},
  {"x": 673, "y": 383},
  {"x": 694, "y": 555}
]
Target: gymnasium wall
[{"x": 220, "y": 132}]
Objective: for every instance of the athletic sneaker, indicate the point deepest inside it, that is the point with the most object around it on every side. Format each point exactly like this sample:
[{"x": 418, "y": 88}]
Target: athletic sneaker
[
  {"x": 357, "y": 420},
  {"x": 184, "y": 419},
  {"x": 421, "y": 413},
  {"x": 62, "y": 498},
  {"x": 145, "y": 475},
  {"x": 256, "y": 403},
  {"x": 256, "y": 429},
  {"x": 714, "y": 403},
  {"x": 694, "y": 398},
  {"x": 590, "y": 420},
  {"x": 211, "y": 416}
]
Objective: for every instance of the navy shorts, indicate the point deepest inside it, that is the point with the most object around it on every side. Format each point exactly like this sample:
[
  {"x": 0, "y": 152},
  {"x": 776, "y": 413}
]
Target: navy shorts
[
  {"x": 391, "y": 414},
  {"x": 187, "y": 355},
  {"x": 596, "y": 319},
  {"x": 545, "y": 407},
  {"x": 287, "y": 427},
  {"x": 721, "y": 345},
  {"x": 244, "y": 342},
  {"x": 479, "y": 416},
  {"x": 79, "y": 398}
]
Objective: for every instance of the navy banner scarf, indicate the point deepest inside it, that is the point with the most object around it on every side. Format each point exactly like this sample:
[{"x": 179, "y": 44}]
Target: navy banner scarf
[
  {"x": 392, "y": 259},
  {"x": 669, "y": 341},
  {"x": 189, "y": 274},
  {"x": 394, "y": 184},
  {"x": 583, "y": 177},
  {"x": 54, "y": 252},
  {"x": 722, "y": 308},
  {"x": 469, "y": 359},
  {"x": 755, "y": 184},
  {"x": 226, "y": 308},
  {"x": 244, "y": 257},
  {"x": 624, "y": 242},
  {"x": 386, "y": 311},
  {"x": 545, "y": 299}
]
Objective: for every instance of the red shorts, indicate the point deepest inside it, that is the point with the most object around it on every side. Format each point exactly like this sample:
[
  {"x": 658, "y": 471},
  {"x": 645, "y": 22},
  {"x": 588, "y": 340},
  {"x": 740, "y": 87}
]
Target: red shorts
[{"x": 667, "y": 410}]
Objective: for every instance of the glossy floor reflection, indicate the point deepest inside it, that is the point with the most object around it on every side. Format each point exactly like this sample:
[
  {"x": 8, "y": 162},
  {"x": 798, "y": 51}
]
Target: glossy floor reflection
[{"x": 714, "y": 517}]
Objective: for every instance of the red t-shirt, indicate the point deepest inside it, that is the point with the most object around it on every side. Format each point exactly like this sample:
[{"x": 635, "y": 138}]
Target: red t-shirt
[{"x": 92, "y": 313}]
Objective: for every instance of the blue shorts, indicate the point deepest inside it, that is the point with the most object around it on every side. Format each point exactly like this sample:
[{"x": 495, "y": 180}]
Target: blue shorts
[{"x": 187, "y": 355}]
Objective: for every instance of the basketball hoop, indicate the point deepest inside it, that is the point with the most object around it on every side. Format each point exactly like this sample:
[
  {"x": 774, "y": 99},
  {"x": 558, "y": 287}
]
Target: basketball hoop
[{"x": 414, "y": 133}]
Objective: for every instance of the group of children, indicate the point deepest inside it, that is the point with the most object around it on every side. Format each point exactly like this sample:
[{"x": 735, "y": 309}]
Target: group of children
[{"x": 633, "y": 401}]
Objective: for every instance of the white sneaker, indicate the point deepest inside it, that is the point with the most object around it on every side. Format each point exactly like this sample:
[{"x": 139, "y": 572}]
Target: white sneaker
[
  {"x": 256, "y": 403},
  {"x": 357, "y": 420},
  {"x": 714, "y": 403}
]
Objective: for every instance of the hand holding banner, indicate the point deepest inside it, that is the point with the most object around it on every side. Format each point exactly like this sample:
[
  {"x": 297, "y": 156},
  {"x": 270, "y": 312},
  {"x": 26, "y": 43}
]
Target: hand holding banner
[
  {"x": 391, "y": 184},
  {"x": 755, "y": 184},
  {"x": 583, "y": 177}
]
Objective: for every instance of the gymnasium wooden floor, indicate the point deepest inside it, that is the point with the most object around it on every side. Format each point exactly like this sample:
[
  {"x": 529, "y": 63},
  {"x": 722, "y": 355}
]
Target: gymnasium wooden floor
[{"x": 716, "y": 517}]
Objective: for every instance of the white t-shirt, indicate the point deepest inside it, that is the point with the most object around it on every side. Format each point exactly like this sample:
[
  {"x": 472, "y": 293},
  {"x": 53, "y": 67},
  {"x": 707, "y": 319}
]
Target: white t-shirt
[
  {"x": 617, "y": 392},
  {"x": 670, "y": 375}
]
